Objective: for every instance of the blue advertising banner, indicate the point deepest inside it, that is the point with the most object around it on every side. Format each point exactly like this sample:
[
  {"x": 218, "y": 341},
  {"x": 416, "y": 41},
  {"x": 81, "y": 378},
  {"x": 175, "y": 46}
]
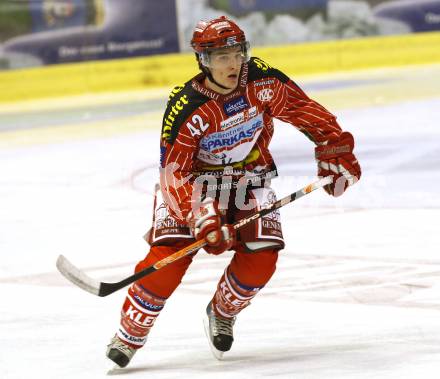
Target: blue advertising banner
[
  {"x": 60, "y": 31},
  {"x": 40, "y": 32},
  {"x": 419, "y": 15},
  {"x": 242, "y": 7}
]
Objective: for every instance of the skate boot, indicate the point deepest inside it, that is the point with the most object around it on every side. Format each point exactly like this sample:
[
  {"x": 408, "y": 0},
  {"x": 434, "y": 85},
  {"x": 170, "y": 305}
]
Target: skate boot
[
  {"x": 219, "y": 332},
  {"x": 119, "y": 352}
]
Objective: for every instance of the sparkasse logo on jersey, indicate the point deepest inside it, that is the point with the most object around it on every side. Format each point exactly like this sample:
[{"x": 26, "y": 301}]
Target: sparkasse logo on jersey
[
  {"x": 233, "y": 137},
  {"x": 236, "y": 106}
]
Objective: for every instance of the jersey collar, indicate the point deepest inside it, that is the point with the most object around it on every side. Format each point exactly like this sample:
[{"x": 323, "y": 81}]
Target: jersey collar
[{"x": 197, "y": 85}]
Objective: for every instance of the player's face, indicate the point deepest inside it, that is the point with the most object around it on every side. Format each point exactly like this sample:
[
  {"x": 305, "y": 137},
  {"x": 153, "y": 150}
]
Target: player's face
[{"x": 225, "y": 66}]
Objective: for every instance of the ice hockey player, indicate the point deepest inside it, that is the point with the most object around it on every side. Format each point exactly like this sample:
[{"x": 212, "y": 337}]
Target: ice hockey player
[{"x": 215, "y": 168}]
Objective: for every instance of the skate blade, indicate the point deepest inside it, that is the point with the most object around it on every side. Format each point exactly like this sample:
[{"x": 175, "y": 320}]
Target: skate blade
[
  {"x": 115, "y": 370},
  {"x": 216, "y": 353}
]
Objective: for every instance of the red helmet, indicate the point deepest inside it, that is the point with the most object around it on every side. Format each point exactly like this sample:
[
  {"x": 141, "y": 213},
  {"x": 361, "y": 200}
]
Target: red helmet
[{"x": 217, "y": 33}]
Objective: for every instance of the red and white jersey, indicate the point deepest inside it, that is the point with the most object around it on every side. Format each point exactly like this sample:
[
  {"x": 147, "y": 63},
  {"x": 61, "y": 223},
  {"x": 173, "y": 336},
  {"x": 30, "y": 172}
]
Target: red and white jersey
[{"x": 204, "y": 132}]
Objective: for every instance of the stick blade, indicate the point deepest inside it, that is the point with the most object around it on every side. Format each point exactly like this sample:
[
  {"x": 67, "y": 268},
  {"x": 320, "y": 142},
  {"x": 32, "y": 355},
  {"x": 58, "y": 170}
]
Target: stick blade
[{"x": 77, "y": 277}]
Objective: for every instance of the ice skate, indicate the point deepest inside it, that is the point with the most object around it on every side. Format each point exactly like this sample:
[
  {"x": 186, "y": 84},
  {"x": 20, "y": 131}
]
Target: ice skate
[
  {"x": 219, "y": 332},
  {"x": 119, "y": 352}
]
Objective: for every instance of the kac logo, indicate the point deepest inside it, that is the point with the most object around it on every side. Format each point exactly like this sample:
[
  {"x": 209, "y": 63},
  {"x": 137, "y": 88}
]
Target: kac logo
[
  {"x": 236, "y": 105},
  {"x": 265, "y": 94}
]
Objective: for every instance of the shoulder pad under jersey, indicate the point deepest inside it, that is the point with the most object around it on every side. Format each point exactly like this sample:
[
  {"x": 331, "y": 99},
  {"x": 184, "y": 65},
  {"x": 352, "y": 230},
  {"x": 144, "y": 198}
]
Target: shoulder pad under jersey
[
  {"x": 259, "y": 69},
  {"x": 182, "y": 102}
]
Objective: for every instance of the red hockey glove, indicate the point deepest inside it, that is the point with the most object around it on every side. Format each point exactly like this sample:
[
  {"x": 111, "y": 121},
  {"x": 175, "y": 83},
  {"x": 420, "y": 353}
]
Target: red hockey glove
[
  {"x": 337, "y": 159},
  {"x": 205, "y": 223}
]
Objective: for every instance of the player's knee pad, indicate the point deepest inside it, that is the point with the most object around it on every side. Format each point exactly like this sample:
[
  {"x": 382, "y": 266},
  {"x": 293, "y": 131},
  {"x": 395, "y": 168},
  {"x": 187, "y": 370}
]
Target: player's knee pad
[
  {"x": 242, "y": 280},
  {"x": 139, "y": 312},
  {"x": 231, "y": 297}
]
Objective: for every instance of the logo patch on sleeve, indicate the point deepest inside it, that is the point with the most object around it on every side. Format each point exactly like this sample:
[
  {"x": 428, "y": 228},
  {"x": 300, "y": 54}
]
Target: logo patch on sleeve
[
  {"x": 163, "y": 151},
  {"x": 236, "y": 105}
]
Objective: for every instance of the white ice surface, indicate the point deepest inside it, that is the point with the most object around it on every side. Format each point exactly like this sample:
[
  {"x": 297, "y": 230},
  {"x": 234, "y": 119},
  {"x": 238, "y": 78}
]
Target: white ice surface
[{"x": 356, "y": 294}]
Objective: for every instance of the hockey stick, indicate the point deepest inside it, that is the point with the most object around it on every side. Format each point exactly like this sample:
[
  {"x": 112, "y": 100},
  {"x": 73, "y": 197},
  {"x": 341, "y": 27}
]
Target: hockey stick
[{"x": 82, "y": 280}]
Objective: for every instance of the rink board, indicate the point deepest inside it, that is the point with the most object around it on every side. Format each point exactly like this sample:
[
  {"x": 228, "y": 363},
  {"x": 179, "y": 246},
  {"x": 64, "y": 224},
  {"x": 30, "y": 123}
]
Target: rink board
[
  {"x": 85, "y": 116},
  {"x": 172, "y": 69}
]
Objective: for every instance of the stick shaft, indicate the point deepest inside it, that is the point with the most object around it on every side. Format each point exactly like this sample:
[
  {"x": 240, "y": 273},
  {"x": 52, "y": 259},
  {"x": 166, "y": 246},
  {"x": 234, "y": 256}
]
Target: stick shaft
[
  {"x": 194, "y": 247},
  {"x": 80, "y": 279}
]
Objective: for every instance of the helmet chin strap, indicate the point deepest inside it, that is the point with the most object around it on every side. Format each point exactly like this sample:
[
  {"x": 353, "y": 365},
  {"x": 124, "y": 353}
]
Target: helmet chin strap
[{"x": 208, "y": 74}]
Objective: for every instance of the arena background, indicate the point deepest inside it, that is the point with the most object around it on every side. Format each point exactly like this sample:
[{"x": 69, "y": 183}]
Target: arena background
[{"x": 59, "y": 47}]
